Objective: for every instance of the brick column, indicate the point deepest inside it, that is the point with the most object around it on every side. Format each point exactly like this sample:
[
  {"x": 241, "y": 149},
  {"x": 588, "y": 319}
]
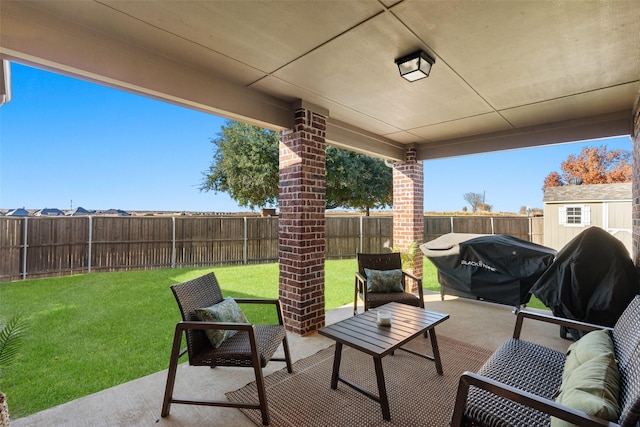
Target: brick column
[
  {"x": 301, "y": 222},
  {"x": 408, "y": 205},
  {"x": 635, "y": 205}
]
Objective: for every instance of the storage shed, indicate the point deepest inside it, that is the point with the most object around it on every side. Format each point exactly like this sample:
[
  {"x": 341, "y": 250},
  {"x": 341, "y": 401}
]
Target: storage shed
[{"x": 570, "y": 209}]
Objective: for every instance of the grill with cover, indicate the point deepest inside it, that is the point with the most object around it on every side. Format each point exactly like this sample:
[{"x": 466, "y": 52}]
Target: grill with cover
[
  {"x": 491, "y": 267},
  {"x": 591, "y": 280}
]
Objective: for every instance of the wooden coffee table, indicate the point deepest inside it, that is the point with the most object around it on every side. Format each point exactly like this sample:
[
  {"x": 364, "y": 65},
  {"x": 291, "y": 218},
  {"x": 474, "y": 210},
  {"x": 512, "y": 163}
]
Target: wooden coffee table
[{"x": 363, "y": 333}]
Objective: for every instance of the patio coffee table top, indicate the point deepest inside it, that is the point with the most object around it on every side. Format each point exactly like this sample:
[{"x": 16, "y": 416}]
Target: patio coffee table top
[{"x": 363, "y": 333}]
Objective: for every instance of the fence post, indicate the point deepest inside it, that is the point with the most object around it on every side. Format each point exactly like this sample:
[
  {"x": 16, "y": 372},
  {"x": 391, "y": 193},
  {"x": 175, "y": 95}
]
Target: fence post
[
  {"x": 173, "y": 242},
  {"x": 90, "y": 241},
  {"x": 361, "y": 232},
  {"x": 493, "y": 231},
  {"x": 24, "y": 249},
  {"x": 451, "y": 224},
  {"x": 244, "y": 243}
]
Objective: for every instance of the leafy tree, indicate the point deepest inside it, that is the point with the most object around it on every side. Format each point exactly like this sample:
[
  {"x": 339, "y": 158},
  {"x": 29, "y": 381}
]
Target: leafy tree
[
  {"x": 554, "y": 179},
  {"x": 245, "y": 165},
  {"x": 357, "y": 181},
  {"x": 594, "y": 165},
  {"x": 476, "y": 200}
]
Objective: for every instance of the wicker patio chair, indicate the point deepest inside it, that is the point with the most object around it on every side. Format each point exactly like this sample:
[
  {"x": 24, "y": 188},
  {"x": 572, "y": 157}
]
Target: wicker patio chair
[
  {"x": 384, "y": 261},
  {"x": 253, "y": 346}
]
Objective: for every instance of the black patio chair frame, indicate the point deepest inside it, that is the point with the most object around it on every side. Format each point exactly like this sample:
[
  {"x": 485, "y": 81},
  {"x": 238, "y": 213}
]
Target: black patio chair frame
[
  {"x": 253, "y": 346},
  {"x": 384, "y": 261}
]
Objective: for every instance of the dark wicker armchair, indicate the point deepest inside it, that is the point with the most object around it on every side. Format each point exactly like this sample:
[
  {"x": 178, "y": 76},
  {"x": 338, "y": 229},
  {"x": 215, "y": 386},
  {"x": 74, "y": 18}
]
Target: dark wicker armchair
[
  {"x": 253, "y": 346},
  {"x": 384, "y": 261}
]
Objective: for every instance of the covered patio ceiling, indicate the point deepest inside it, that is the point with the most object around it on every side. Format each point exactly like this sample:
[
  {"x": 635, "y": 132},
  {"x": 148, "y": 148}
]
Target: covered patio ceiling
[{"x": 508, "y": 74}]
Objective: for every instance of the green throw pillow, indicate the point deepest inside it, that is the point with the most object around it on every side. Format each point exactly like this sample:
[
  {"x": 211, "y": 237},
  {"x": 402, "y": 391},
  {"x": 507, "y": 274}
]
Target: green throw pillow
[
  {"x": 593, "y": 344},
  {"x": 226, "y": 310},
  {"x": 384, "y": 280},
  {"x": 594, "y": 388}
]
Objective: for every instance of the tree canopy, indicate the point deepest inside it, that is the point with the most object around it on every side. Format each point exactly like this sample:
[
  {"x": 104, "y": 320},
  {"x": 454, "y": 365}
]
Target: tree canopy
[
  {"x": 594, "y": 165},
  {"x": 245, "y": 166}
]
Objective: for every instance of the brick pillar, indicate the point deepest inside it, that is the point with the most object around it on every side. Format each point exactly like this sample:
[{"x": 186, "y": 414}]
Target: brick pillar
[
  {"x": 408, "y": 205},
  {"x": 635, "y": 214},
  {"x": 301, "y": 222}
]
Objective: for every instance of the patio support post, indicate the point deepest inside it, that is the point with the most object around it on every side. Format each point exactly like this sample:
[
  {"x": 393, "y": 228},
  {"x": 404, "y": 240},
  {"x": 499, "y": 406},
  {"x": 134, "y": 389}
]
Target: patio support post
[
  {"x": 635, "y": 213},
  {"x": 408, "y": 205},
  {"x": 301, "y": 222}
]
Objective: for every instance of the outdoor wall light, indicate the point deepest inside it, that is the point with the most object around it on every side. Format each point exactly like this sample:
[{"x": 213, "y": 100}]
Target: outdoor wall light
[{"x": 415, "y": 66}]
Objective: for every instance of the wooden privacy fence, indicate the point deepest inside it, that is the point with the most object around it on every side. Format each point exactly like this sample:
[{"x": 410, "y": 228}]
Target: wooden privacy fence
[{"x": 39, "y": 246}]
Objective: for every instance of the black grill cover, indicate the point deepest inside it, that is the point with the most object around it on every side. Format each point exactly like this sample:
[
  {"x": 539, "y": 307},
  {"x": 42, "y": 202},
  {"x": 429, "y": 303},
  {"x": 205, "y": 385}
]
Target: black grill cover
[
  {"x": 593, "y": 279},
  {"x": 491, "y": 267}
]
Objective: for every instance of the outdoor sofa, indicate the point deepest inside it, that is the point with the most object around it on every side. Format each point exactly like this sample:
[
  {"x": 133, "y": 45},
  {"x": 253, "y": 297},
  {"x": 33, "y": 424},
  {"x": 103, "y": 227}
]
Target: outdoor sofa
[{"x": 527, "y": 384}]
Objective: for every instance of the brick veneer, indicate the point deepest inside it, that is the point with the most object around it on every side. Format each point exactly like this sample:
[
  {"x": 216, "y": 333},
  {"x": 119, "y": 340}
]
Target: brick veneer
[
  {"x": 635, "y": 215},
  {"x": 408, "y": 206},
  {"x": 301, "y": 222}
]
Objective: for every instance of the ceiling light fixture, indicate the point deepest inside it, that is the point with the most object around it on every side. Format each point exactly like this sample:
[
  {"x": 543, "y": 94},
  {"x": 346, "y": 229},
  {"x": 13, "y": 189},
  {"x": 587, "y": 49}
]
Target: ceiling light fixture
[{"x": 415, "y": 66}]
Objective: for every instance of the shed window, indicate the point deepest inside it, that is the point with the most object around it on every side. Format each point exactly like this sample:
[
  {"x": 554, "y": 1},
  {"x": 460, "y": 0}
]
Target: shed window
[{"x": 575, "y": 215}]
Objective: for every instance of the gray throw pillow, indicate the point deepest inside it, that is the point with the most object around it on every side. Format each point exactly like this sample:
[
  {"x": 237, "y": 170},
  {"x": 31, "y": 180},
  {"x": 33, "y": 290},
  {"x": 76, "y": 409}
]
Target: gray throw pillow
[
  {"x": 384, "y": 280},
  {"x": 226, "y": 310}
]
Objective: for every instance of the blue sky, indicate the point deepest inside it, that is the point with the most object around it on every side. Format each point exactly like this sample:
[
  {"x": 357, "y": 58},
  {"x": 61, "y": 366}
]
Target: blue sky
[{"x": 68, "y": 143}]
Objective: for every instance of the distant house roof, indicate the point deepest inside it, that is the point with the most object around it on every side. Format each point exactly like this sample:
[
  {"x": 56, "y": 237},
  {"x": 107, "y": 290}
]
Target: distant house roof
[
  {"x": 49, "y": 212},
  {"x": 18, "y": 212},
  {"x": 79, "y": 211},
  {"x": 593, "y": 192},
  {"x": 118, "y": 212}
]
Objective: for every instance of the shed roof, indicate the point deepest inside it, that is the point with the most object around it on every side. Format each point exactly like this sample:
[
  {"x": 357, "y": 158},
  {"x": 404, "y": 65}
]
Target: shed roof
[{"x": 593, "y": 192}]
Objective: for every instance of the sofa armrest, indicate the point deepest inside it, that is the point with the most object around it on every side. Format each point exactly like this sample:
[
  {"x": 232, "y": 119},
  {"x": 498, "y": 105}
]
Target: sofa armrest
[
  {"x": 525, "y": 314},
  {"x": 468, "y": 379}
]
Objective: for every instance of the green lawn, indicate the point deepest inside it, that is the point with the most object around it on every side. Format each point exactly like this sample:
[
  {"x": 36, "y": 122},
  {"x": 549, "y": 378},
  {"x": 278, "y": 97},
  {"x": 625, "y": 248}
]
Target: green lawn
[{"x": 94, "y": 331}]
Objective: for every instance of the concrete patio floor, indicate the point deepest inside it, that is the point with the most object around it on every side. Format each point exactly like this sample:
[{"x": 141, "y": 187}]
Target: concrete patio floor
[{"x": 138, "y": 402}]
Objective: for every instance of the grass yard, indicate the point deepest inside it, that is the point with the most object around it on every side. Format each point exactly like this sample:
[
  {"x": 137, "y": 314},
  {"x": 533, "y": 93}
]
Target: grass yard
[{"x": 94, "y": 331}]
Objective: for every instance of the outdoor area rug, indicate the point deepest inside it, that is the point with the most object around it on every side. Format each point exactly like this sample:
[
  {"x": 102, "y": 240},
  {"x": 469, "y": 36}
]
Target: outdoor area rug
[{"x": 418, "y": 396}]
